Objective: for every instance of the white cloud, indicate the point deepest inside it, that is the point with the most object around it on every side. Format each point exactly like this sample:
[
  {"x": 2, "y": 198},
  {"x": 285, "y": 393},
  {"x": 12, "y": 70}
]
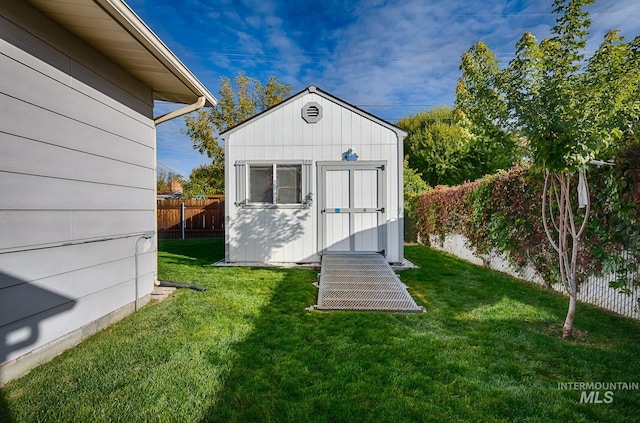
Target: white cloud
[
  {"x": 612, "y": 14},
  {"x": 369, "y": 52}
]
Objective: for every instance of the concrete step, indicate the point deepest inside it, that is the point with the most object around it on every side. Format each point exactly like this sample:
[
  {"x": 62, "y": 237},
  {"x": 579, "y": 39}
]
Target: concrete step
[{"x": 161, "y": 293}]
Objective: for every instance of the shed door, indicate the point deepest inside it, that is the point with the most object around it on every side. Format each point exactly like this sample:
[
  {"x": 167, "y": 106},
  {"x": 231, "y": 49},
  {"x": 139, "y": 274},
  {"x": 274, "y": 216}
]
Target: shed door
[{"x": 352, "y": 207}]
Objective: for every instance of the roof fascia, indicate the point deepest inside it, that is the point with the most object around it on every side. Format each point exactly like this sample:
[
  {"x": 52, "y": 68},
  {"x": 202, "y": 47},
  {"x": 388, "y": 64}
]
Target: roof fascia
[
  {"x": 361, "y": 112},
  {"x": 315, "y": 90},
  {"x": 135, "y": 26},
  {"x": 241, "y": 125}
]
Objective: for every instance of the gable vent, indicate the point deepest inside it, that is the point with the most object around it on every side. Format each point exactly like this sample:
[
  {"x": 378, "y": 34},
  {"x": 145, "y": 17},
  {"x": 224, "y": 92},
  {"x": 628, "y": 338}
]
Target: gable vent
[{"x": 312, "y": 112}]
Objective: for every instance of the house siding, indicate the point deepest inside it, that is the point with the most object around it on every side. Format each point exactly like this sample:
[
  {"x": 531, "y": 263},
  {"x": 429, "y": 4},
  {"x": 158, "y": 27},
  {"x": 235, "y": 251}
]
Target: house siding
[
  {"x": 291, "y": 234},
  {"x": 77, "y": 171}
]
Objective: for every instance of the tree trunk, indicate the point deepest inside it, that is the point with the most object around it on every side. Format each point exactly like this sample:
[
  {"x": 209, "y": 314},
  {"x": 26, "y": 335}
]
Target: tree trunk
[
  {"x": 564, "y": 235},
  {"x": 567, "y": 329}
]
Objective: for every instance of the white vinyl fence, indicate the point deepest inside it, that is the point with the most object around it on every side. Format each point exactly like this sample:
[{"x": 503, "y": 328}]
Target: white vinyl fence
[{"x": 595, "y": 290}]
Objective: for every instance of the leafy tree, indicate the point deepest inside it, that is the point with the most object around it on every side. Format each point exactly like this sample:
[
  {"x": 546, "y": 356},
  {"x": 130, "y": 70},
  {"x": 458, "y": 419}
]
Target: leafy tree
[
  {"x": 165, "y": 178},
  {"x": 568, "y": 111},
  {"x": 445, "y": 152},
  {"x": 237, "y": 102},
  {"x": 435, "y": 146},
  {"x": 204, "y": 180},
  {"x": 480, "y": 108},
  {"x": 163, "y": 183},
  {"x": 414, "y": 186}
]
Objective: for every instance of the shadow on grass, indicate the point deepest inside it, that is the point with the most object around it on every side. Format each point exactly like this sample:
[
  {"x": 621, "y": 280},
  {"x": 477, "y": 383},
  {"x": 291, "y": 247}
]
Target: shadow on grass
[
  {"x": 247, "y": 351},
  {"x": 5, "y": 412},
  {"x": 203, "y": 251},
  {"x": 481, "y": 352},
  {"x": 300, "y": 366}
]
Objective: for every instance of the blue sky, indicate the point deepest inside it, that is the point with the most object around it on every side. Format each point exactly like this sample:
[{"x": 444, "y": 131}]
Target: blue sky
[{"x": 392, "y": 58}]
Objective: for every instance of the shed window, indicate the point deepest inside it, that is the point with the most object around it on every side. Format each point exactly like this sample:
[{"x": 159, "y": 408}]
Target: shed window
[
  {"x": 272, "y": 184},
  {"x": 261, "y": 184},
  {"x": 285, "y": 188},
  {"x": 289, "y": 184}
]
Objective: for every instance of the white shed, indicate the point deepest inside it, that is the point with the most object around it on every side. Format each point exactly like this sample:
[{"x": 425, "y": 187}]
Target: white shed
[
  {"x": 313, "y": 175},
  {"x": 77, "y": 169}
]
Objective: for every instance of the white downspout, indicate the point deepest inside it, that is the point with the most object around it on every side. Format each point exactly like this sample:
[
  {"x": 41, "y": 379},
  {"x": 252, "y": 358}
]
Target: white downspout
[
  {"x": 182, "y": 111},
  {"x": 401, "y": 211},
  {"x": 157, "y": 121}
]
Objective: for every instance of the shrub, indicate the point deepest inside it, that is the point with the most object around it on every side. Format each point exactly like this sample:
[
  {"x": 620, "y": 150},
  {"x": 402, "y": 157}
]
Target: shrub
[{"x": 501, "y": 213}]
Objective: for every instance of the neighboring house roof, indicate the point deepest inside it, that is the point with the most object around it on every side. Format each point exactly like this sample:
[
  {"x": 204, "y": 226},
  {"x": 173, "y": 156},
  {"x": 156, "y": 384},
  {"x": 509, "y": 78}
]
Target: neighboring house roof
[
  {"x": 316, "y": 90},
  {"x": 113, "y": 29}
]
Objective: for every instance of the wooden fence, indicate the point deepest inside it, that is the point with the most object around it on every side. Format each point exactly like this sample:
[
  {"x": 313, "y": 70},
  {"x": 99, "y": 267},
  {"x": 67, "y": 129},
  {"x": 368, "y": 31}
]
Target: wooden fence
[{"x": 198, "y": 218}]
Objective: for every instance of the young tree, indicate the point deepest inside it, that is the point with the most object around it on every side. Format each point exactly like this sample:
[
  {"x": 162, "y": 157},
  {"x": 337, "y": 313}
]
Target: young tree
[
  {"x": 568, "y": 112},
  {"x": 235, "y": 105}
]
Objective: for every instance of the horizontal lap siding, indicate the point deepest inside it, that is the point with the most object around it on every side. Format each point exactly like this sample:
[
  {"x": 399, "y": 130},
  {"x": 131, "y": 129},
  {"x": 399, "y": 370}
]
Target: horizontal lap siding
[
  {"x": 55, "y": 226},
  {"x": 69, "y": 280},
  {"x": 51, "y": 127},
  {"x": 50, "y": 324},
  {"x": 77, "y": 158},
  {"x": 35, "y": 87}
]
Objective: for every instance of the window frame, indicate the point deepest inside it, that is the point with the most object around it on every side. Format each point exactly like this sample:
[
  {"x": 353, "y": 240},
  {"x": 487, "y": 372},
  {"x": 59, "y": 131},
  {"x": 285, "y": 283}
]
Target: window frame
[{"x": 243, "y": 181}]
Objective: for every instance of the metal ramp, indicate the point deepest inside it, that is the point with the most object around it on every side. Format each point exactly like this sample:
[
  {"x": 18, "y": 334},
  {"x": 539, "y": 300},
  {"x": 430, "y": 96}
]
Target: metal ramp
[{"x": 362, "y": 282}]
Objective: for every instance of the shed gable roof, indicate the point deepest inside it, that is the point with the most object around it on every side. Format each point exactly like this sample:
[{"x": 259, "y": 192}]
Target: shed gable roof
[
  {"x": 113, "y": 29},
  {"x": 315, "y": 90}
]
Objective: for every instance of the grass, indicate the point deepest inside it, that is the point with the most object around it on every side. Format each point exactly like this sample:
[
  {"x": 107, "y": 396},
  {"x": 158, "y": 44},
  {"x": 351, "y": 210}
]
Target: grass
[{"x": 487, "y": 349}]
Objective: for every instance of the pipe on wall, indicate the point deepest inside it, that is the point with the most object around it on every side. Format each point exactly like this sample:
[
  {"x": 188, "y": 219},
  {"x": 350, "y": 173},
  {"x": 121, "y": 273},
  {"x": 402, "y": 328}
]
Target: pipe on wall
[{"x": 146, "y": 235}]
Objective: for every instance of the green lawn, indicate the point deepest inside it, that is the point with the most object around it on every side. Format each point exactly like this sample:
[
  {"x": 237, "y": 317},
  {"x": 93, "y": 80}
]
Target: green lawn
[{"x": 487, "y": 349}]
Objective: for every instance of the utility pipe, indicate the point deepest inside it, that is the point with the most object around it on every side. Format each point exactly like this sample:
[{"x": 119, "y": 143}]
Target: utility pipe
[
  {"x": 181, "y": 111},
  {"x": 146, "y": 235},
  {"x": 11, "y": 250}
]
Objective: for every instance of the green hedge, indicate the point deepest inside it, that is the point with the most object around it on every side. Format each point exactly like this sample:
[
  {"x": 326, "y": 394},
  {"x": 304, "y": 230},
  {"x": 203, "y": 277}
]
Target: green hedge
[{"x": 502, "y": 213}]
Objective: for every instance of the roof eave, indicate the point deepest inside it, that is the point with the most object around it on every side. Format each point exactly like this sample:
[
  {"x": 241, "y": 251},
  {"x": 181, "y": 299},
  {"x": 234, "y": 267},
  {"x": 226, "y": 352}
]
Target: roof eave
[
  {"x": 132, "y": 23},
  {"x": 313, "y": 89}
]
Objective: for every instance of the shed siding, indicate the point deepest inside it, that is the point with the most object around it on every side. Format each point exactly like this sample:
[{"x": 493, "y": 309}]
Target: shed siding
[
  {"x": 77, "y": 164},
  {"x": 290, "y": 235}
]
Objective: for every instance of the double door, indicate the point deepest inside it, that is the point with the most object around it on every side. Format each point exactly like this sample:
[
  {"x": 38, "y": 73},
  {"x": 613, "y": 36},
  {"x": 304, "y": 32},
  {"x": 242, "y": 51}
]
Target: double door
[{"x": 352, "y": 207}]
